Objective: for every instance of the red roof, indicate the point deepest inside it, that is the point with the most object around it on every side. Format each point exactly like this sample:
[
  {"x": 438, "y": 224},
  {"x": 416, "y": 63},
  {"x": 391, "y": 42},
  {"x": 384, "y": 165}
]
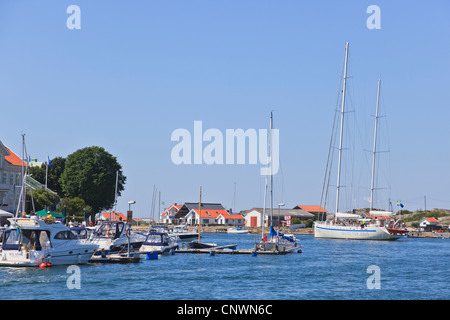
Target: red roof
[
  {"x": 214, "y": 213},
  {"x": 13, "y": 158},
  {"x": 430, "y": 219},
  {"x": 312, "y": 208},
  {"x": 116, "y": 217}
]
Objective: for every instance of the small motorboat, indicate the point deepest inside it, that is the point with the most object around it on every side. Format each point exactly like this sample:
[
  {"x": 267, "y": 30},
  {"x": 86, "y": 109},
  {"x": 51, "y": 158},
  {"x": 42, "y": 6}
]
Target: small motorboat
[
  {"x": 182, "y": 232},
  {"x": 237, "y": 230},
  {"x": 159, "y": 241}
]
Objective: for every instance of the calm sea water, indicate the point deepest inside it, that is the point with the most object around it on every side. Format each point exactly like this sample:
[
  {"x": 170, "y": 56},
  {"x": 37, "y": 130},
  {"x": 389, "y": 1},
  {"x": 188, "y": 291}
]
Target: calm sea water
[{"x": 327, "y": 269}]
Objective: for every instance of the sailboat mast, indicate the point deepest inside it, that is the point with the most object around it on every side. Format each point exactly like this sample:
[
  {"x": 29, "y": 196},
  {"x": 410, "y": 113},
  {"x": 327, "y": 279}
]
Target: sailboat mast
[
  {"x": 271, "y": 171},
  {"x": 341, "y": 131},
  {"x": 199, "y": 214},
  {"x": 374, "y": 147}
]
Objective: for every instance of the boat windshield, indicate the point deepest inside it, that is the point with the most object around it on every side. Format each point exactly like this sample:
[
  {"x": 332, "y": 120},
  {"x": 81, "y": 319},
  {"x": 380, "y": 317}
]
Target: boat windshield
[
  {"x": 156, "y": 238},
  {"x": 110, "y": 230},
  {"x": 15, "y": 239}
]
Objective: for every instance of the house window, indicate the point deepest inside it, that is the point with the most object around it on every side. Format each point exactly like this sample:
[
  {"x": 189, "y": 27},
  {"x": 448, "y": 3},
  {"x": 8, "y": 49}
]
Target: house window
[
  {"x": 11, "y": 179},
  {"x": 4, "y": 178}
]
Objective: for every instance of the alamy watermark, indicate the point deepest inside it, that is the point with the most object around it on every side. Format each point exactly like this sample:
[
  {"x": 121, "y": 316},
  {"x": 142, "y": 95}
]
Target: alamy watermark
[
  {"x": 373, "y": 281},
  {"x": 238, "y": 143},
  {"x": 74, "y": 280}
]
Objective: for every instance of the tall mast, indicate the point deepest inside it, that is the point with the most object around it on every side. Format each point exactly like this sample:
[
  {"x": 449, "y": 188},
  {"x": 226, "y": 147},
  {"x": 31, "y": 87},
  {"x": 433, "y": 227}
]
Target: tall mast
[
  {"x": 374, "y": 147},
  {"x": 342, "y": 131},
  {"x": 271, "y": 170},
  {"x": 200, "y": 214}
]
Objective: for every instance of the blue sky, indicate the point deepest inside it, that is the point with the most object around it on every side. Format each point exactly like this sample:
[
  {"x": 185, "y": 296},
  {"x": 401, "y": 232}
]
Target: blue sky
[{"x": 138, "y": 70}]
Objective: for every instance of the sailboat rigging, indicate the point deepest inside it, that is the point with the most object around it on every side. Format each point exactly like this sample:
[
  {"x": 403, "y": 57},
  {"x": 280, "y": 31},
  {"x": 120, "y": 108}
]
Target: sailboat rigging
[{"x": 378, "y": 225}]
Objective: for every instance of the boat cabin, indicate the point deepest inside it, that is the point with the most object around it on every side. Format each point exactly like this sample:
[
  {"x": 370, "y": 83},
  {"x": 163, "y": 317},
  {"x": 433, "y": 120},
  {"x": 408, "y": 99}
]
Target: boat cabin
[{"x": 109, "y": 229}]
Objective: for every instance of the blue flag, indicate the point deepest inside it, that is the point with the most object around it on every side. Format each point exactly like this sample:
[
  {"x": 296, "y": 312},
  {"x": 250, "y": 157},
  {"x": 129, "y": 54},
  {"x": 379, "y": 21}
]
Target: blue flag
[{"x": 48, "y": 161}]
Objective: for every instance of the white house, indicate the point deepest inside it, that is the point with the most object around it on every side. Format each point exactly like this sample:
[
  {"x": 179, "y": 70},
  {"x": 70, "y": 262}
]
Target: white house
[
  {"x": 230, "y": 219},
  {"x": 168, "y": 215},
  {"x": 253, "y": 218},
  {"x": 428, "y": 223},
  {"x": 214, "y": 216}
]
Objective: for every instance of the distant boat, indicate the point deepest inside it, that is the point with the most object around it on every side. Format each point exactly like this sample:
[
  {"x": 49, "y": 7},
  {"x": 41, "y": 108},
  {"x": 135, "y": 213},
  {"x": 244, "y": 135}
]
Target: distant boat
[
  {"x": 237, "y": 230},
  {"x": 159, "y": 241},
  {"x": 349, "y": 225},
  {"x": 31, "y": 243},
  {"x": 182, "y": 232},
  {"x": 111, "y": 236}
]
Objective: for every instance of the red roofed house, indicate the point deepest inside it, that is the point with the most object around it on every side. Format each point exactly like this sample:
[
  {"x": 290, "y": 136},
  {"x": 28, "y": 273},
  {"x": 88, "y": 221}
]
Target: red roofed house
[
  {"x": 311, "y": 208},
  {"x": 168, "y": 216},
  {"x": 214, "y": 216},
  {"x": 429, "y": 224},
  {"x": 10, "y": 171},
  {"x": 110, "y": 216}
]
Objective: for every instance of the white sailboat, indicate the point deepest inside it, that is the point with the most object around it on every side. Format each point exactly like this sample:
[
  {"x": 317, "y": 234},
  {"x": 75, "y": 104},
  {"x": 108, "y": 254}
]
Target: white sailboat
[
  {"x": 349, "y": 225},
  {"x": 276, "y": 241}
]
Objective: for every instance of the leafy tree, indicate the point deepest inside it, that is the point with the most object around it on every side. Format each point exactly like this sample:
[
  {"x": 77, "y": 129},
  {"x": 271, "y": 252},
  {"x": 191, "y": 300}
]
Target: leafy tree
[
  {"x": 90, "y": 174},
  {"x": 42, "y": 199},
  {"x": 53, "y": 174},
  {"x": 75, "y": 207}
]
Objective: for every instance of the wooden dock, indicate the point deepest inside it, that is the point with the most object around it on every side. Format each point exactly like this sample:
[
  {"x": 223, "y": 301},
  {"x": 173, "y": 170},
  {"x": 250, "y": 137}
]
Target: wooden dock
[{"x": 230, "y": 251}]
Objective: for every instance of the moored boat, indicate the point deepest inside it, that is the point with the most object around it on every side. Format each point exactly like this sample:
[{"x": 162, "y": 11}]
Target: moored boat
[{"x": 31, "y": 243}]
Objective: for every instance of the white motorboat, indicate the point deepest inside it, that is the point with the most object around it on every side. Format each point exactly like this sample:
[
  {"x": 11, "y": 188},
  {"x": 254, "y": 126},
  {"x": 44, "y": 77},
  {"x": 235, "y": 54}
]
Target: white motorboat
[
  {"x": 182, "y": 232},
  {"x": 32, "y": 243},
  {"x": 237, "y": 230},
  {"x": 159, "y": 241},
  {"x": 111, "y": 236}
]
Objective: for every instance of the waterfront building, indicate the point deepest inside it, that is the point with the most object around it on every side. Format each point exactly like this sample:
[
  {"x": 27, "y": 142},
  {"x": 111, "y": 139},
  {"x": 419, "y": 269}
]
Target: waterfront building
[
  {"x": 10, "y": 173},
  {"x": 253, "y": 217}
]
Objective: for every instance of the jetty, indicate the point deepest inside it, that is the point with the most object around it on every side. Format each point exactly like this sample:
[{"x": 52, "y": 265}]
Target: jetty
[
  {"x": 230, "y": 251},
  {"x": 115, "y": 259}
]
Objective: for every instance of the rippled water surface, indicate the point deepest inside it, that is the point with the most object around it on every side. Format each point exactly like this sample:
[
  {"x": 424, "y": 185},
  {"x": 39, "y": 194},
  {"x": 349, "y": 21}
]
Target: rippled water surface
[{"x": 327, "y": 269}]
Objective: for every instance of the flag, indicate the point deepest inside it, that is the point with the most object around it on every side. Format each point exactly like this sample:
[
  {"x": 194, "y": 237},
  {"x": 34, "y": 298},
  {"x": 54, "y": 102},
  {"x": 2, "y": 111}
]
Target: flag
[
  {"x": 48, "y": 161},
  {"x": 399, "y": 204}
]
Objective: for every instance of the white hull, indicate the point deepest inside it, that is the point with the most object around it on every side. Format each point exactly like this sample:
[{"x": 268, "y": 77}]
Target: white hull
[
  {"x": 331, "y": 231},
  {"x": 33, "y": 258},
  {"x": 159, "y": 249}
]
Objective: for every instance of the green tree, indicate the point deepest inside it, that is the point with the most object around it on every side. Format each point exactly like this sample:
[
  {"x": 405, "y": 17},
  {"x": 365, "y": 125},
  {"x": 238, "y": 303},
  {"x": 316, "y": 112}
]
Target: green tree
[
  {"x": 53, "y": 174},
  {"x": 90, "y": 174},
  {"x": 42, "y": 199},
  {"x": 75, "y": 207}
]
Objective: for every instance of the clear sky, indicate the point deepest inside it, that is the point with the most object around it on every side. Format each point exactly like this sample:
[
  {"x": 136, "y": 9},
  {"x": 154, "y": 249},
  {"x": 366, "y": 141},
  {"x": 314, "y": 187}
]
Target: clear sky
[{"x": 138, "y": 70}]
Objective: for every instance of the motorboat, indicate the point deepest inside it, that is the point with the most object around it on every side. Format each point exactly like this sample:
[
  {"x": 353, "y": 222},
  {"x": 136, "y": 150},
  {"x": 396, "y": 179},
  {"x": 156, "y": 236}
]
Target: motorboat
[
  {"x": 32, "y": 243},
  {"x": 182, "y": 232},
  {"x": 113, "y": 236},
  {"x": 237, "y": 230},
  {"x": 159, "y": 241}
]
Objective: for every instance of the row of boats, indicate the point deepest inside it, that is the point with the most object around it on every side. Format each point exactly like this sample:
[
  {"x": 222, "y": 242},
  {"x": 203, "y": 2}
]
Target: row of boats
[
  {"x": 30, "y": 242},
  {"x": 33, "y": 242}
]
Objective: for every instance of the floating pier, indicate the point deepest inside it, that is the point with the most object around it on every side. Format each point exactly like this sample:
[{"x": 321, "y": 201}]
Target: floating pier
[{"x": 215, "y": 251}]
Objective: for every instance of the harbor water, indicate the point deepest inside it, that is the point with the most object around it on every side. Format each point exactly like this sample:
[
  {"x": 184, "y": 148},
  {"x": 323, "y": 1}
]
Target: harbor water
[{"x": 409, "y": 268}]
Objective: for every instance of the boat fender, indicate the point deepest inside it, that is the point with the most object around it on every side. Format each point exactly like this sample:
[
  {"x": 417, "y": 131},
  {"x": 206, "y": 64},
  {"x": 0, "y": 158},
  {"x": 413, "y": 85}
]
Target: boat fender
[
  {"x": 45, "y": 265},
  {"x": 254, "y": 254},
  {"x": 212, "y": 253}
]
